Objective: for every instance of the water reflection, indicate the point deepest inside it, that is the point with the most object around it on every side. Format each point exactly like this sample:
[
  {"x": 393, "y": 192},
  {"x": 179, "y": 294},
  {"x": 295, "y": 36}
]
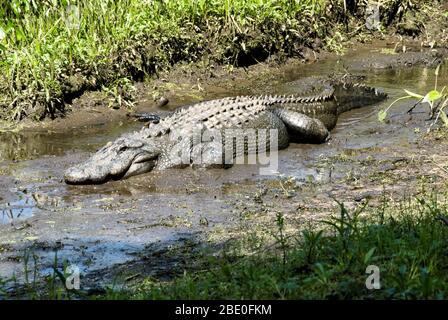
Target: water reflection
[{"x": 17, "y": 210}]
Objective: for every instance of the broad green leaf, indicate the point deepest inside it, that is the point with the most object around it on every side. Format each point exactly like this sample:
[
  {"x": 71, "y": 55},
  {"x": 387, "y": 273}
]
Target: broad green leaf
[
  {"x": 444, "y": 118},
  {"x": 432, "y": 96},
  {"x": 382, "y": 114},
  {"x": 320, "y": 267},
  {"x": 412, "y": 94},
  {"x": 369, "y": 255},
  {"x": 20, "y": 35}
]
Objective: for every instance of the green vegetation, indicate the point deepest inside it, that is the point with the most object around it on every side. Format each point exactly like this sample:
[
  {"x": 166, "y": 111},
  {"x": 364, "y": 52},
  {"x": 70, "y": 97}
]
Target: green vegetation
[
  {"x": 54, "y": 50},
  {"x": 406, "y": 240},
  {"x": 436, "y": 99},
  {"x": 51, "y": 53}
]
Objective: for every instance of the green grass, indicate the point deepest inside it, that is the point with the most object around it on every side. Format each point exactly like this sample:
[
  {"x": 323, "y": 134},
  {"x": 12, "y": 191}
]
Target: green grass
[
  {"x": 50, "y": 54},
  {"x": 406, "y": 240},
  {"x": 45, "y": 61}
]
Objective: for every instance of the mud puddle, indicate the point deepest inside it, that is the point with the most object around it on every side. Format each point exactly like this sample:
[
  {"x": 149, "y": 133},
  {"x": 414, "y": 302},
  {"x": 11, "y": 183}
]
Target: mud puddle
[{"x": 98, "y": 228}]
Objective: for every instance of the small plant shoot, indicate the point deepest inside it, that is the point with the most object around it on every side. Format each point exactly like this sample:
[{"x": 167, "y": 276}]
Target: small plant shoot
[{"x": 436, "y": 99}]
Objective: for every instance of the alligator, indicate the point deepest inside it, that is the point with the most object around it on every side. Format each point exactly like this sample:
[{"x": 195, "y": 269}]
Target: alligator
[{"x": 304, "y": 117}]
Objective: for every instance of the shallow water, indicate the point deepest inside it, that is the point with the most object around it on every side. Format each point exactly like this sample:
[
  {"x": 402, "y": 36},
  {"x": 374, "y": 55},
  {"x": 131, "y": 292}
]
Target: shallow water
[{"x": 116, "y": 220}]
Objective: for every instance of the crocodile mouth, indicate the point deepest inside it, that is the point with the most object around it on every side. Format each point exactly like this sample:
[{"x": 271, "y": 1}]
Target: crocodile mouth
[
  {"x": 142, "y": 163},
  {"x": 96, "y": 173}
]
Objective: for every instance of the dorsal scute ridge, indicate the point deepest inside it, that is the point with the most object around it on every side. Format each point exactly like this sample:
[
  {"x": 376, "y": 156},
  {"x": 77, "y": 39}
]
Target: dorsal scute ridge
[{"x": 228, "y": 109}]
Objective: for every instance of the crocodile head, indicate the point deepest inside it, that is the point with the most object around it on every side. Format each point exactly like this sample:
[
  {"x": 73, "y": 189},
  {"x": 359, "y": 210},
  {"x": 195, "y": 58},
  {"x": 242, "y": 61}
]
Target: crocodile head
[{"x": 120, "y": 159}]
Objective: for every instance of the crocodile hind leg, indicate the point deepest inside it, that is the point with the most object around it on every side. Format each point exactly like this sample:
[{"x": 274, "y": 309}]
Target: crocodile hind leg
[{"x": 302, "y": 128}]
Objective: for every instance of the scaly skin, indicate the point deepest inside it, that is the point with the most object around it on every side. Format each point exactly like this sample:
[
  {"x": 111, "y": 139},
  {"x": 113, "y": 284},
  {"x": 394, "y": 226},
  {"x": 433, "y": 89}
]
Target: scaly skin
[{"x": 295, "y": 117}]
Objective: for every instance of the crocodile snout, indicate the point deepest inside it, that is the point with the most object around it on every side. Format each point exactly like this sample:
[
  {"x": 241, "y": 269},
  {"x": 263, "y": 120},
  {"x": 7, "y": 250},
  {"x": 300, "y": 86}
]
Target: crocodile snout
[
  {"x": 74, "y": 175},
  {"x": 98, "y": 170},
  {"x": 77, "y": 175},
  {"x": 86, "y": 174}
]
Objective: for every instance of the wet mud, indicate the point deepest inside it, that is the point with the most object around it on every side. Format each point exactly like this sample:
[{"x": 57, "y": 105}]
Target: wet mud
[{"x": 152, "y": 224}]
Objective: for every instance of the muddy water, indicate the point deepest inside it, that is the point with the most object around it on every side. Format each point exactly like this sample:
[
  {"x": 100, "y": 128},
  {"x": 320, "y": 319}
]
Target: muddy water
[{"x": 98, "y": 227}]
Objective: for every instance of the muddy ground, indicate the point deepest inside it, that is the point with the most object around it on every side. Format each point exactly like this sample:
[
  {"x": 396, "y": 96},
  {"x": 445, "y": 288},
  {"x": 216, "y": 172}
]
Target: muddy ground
[{"x": 154, "y": 224}]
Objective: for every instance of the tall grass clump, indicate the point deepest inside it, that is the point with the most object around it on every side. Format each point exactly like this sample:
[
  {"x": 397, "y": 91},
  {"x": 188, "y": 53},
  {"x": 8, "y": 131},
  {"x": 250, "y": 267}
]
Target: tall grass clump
[{"x": 51, "y": 51}]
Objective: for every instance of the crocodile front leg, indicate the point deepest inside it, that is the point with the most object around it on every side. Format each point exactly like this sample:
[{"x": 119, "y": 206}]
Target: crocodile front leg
[
  {"x": 210, "y": 155},
  {"x": 146, "y": 117},
  {"x": 302, "y": 128}
]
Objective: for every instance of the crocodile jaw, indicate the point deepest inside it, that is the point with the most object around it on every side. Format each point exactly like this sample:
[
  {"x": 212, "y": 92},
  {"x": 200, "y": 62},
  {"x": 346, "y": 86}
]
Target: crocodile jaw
[
  {"x": 121, "y": 159},
  {"x": 142, "y": 164}
]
